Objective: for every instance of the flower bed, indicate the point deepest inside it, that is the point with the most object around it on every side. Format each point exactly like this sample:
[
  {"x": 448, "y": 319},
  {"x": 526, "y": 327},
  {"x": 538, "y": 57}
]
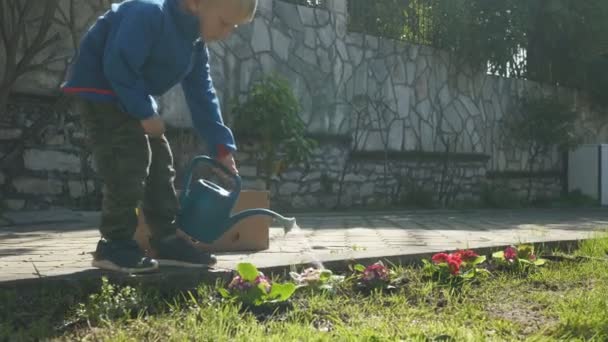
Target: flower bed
[{"x": 253, "y": 289}]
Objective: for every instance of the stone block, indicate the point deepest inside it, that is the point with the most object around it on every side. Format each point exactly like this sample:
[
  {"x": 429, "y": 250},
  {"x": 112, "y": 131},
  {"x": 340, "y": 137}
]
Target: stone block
[
  {"x": 289, "y": 188},
  {"x": 354, "y": 178},
  {"x": 78, "y": 190},
  {"x": 55, "y": 140},
  {"x": 14, "y": 204},
  {"x": 253, "y": 184},
  {"x": 261, "y": 36},
  {"x": 49, "y": 160},
  {"x": 322, "y": 17},
  {"x": 306, "y": 54},
  {"x": 307, "y": 15},
  {"x": 313, "y": 176},
  {"x": 367, "y": 189},
  {"x": 326, "y": 36},
  {"x": 379, "y": 67},
  {"x": 292, "y": 175},
  {"x": 37, "y": 186},
  {"x": 310, "y": 37},
  {"x": 298, "y": 202},
  {"x": 280, "y": 44},
  {"x": 315, "y": 187},
  {"x": 288, "y": 14},
  {"x": 10, "y": 133},
  {"x": 248, "y": 171}
]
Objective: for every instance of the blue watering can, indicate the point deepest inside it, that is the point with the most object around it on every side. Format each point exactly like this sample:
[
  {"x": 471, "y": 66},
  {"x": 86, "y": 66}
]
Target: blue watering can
[{"x": 205, "y": 213}]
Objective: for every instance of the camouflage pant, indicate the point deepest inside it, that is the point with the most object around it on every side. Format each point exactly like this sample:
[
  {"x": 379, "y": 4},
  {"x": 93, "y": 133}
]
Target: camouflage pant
[{"x": 137, "y": 170}]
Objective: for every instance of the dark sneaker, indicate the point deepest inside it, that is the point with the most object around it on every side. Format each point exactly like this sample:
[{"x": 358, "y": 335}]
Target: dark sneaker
[
  {"x": 174, "y": 251},
  {"x": 122, "y": 256}
]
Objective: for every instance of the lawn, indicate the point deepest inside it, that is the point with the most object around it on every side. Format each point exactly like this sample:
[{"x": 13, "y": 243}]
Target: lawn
[{"x": 565, "y": 299}]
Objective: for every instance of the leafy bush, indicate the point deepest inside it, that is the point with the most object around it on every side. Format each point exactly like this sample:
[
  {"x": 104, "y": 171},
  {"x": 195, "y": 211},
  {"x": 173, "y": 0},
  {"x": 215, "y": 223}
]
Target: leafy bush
[
  {"x": 270, "y": 115},
  {"x": 540, "y": 125}
]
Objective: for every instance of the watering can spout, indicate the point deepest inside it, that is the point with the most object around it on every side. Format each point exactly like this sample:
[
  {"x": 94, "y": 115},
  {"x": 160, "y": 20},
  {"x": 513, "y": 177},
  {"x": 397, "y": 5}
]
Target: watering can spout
[{"x": 288, "y": 222}]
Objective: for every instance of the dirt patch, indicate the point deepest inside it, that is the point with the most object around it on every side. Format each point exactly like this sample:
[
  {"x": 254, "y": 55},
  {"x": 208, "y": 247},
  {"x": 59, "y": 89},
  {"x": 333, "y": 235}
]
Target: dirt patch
[{"x": 528, "y": 315}]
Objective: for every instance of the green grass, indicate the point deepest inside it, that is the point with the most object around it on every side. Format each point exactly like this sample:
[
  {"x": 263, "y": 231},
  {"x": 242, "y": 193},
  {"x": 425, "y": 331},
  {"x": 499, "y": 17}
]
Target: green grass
[{"x": 565, "y": 301}]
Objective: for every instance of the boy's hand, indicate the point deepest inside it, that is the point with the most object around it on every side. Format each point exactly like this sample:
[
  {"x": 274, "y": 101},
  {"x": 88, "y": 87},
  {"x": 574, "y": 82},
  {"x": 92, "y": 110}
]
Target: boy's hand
[
  {"x": 154, "y": 126},
  {"x": 228, "y": 161}
]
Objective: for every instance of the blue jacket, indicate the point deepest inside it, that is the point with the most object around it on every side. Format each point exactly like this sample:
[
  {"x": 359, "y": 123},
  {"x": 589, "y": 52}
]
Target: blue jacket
[{"x": 141, "y": 48}]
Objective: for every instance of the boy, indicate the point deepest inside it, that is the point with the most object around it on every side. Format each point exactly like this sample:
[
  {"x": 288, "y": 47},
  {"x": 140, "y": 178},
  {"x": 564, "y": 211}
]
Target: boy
[{"x": 137, "y": 49}]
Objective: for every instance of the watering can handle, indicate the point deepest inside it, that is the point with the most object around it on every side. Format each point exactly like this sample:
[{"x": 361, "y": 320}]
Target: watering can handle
[{"x": 215, "y": 163}]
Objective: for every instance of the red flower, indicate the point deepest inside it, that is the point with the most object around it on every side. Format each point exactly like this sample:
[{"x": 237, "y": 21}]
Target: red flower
[
  {"x": 510, "y": 253},
  {"x": 532, "y": 257},
  {"x": 440, "y": 258},
  {"x": 467, "y": 255},
  {"x": 454, "y": 266},
  {"x": 376, "y": 271},
  {"x": 456, "y": 258}
]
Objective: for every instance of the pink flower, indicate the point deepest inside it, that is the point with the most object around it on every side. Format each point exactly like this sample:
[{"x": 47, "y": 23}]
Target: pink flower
[
  {"x": 375, "y": 272},
  {"x": 467, "y": 255},
  {"x": 510, "y": 254},
  {"x": 440, "y": 258},
  {"x": 239, "y": 284},
  {"x": 261, "y": 279}
]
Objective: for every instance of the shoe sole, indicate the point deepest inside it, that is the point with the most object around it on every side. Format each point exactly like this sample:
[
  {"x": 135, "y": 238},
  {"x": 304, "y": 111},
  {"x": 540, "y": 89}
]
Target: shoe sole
[
  {"x": 176, "y": 263},
  {"x": 110, "y": 266}
]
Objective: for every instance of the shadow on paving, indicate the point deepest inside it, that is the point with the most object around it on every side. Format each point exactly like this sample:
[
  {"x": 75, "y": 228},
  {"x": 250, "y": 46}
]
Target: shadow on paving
[
  {"x": 5, "y": 252},
  {"x": 170, "y": 279}
]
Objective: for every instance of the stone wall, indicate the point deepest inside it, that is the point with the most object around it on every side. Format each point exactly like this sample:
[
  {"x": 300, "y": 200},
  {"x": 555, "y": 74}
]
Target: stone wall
[
  {"x": 413, "y": 98},
  {"x": 399, "y": 121},
  {"x": 44, "y": 157}
]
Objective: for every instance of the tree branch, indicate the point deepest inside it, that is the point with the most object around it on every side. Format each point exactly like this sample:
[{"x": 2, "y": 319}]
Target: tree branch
[{"x": 3, "y": 23}]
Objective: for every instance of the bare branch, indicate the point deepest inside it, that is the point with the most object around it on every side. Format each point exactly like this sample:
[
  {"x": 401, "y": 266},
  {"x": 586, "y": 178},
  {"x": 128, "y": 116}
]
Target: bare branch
[{"x": 3, "y": 23}]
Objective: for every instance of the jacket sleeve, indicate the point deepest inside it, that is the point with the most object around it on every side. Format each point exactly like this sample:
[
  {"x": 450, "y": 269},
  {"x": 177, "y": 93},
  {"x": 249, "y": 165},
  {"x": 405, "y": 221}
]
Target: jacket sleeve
[
  {"x": 126, "y": 51},
  {"x": 204, "y": 105}
]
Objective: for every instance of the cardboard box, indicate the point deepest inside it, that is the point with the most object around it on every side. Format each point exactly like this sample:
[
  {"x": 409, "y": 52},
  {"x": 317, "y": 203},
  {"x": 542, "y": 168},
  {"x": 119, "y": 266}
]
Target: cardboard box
[{"x": 250, "y": 234}]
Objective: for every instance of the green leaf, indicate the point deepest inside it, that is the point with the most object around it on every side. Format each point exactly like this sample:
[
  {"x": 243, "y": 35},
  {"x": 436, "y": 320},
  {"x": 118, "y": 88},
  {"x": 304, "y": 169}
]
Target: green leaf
[
  {"x": 247, "y": 271},
  {"x": 483, "y": 271},
  {"x": 498, "y": 255},
  {"x": 359, "y": 267},
  {"x": 282, "y": 292},
  {"x": 540, "y": 262},
  {"x": 224, "y": 293},
  {"x": 254, "y": 296},
  {"x": 480, "y": 259},
  {"x": 524, "y": 251},
  {"x": 325, "y": 276},
  {"x": 468, "y": 275}
]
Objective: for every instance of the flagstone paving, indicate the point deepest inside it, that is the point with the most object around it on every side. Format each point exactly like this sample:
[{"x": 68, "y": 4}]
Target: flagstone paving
[{"x": 59, "y": 243}]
